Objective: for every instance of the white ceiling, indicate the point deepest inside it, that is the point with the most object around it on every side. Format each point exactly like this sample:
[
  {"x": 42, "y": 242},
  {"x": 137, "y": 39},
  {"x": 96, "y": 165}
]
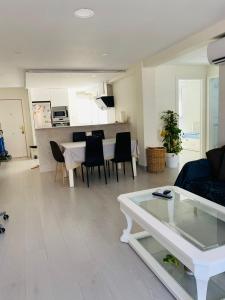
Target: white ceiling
[
  {"x": 197, "y": 57},
  {"x": 45, "y": 33},
  {"x": 80, "y": 81}
]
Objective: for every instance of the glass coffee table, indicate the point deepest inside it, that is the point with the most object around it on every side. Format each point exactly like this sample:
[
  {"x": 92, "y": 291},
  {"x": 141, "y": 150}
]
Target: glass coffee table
[{"x": 186, "y": 227}]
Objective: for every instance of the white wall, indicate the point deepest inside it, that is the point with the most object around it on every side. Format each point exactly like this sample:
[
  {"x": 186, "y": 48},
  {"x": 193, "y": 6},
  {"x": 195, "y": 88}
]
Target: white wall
[
  {"x": 143, "y": 93},
  {"x": 162, "y": 81},
  {"x": 221, "y": 137},
  {"x": 128, "y": 98},
  {"x": 58, "y": 97},
  {"x": 190, "y": 97}
]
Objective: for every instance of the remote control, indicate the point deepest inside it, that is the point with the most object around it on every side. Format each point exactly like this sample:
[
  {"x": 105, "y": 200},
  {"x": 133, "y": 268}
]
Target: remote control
[
  {"x": 162, "y": 195},
  {"x": 166, "y": 192}
]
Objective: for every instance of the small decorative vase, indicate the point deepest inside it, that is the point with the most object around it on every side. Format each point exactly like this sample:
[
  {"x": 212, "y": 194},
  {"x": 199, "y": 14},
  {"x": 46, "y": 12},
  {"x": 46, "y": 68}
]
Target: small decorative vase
[{"x": 172, "y": 160}]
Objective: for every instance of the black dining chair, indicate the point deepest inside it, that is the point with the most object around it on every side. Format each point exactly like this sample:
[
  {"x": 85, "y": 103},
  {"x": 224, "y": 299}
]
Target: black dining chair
[
  {"x": 123, "y": 152},
  {"x": 99, "y": 133},
  {"x": 79, "y": 136},
  {"x": 94, "y": 157},
  {"x": 59, "y": 158}
]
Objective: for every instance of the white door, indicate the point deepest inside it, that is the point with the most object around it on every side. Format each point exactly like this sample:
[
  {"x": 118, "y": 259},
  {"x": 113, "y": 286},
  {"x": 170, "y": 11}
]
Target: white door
[
  {"x": 213, "y": 112},
  {"x": 190, "y": 95},
  {"x": 12, "y": 124}
]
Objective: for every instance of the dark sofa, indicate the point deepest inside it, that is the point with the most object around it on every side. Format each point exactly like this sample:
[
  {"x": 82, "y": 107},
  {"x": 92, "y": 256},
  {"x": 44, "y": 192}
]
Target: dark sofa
[{"x": 205, "y": 177}]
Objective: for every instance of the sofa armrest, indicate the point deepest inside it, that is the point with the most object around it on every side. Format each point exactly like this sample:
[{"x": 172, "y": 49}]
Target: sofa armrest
[{"x": 193, "y": 170}]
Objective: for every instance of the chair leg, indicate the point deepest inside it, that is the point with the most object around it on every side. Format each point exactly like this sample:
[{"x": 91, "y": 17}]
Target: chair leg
[
  {"x": 87, "y": 176},
  {"x": 132, "y": 169},
  {"x": 124, "y": 170},
  {"x": 105, "y": 174},
  {"x": 117, "y": 178},
  {"x": 82, "y": 172},
  {"x": 108, "y": 165},
  {"x": 62, "y": 170},
  {"x": 99, "y": 172},
  {"x": 56, "y": 171},
  {"x": 113, "y": 166}
]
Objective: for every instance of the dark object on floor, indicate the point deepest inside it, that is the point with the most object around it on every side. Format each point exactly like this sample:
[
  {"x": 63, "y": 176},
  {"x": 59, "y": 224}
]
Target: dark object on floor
[
  {"x": 33, "y": 152},
  {"x": 199, "y": 178},
  {"x": 4, "y": 155},
  {"x": 79, "y": 136},
  {"x": 5, "y": 217},
  {"x": 123, "y": 152},
  {"x": 99, "y": 133},
  {"x": 94, "y": 157}
]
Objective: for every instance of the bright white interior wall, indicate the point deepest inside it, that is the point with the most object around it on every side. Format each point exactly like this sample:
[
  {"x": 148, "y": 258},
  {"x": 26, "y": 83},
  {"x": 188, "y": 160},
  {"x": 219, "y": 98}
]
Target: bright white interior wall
[
  {"x": 221, "y": 137},
  {"x": 58, "y": 97},
  {"x": 146, "y": 92},
  {"x": 163, "y": 79},
  {"x": 83, "y": 110},
  {"x": 189, "y": 98},
  {"x": 20, "y": 93},
  {"x": 128, "y": 98}
]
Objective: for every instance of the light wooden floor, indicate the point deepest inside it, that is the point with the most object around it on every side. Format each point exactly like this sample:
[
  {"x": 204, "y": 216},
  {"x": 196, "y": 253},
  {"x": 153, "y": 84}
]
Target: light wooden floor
[{"x": 63, "y": 243}]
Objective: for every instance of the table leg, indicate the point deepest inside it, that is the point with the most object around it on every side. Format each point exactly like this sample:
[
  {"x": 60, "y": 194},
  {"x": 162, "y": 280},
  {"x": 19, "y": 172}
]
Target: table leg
[
  {"x": 202, "y": 286},
  {"x": 126, "y": 232},
  {"x": 71, "y": 179},
  {"x": 134, "y": 165}
]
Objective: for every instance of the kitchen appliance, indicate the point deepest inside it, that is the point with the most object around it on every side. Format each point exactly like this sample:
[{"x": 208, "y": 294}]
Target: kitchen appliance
[{"x": 60, "y": 116}]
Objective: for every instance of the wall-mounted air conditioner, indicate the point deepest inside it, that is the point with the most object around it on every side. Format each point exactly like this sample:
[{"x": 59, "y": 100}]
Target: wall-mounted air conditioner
[{"x": 216, "y": 52}]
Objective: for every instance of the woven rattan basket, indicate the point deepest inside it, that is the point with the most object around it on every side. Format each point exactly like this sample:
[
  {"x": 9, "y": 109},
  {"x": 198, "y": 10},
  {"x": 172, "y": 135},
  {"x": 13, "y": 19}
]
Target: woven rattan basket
[{"x": 155, "y": 159}]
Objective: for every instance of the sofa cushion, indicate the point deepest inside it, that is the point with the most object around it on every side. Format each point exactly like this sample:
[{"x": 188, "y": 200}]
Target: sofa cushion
[
  {"x": 222, "y": 170},
  {"x": 213, "y": 190},
  {"x": 215, "y": 158}
]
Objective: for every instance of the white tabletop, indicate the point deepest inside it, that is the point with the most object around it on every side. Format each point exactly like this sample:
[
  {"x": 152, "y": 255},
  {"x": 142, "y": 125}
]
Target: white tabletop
[{"x": 74, "y": 152}]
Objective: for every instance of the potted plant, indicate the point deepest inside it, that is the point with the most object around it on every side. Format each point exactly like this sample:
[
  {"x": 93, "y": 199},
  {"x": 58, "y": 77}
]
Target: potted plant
[{"x": 171, "y": 135}]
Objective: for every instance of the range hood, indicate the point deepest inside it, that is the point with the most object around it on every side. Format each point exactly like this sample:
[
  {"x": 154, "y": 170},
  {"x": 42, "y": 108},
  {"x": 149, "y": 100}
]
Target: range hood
[{"x": 105, "y": 100}]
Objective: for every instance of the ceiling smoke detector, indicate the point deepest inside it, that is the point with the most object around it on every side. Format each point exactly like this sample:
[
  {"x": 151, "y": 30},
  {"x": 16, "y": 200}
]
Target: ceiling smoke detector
[{"x": 84, "y": 13}]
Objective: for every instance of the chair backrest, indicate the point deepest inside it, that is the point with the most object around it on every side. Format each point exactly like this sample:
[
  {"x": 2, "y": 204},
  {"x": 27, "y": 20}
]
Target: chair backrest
[
  {"x": 99, "y": 133},
  {"x": 123, "y": 147},
  {"x": 94, "y": 151},
  {"x": 56, "y": 152},
  {"x": 79, "y": 136}
]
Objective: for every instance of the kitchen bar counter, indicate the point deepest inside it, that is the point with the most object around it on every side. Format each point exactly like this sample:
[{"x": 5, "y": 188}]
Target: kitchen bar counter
[{"x": 64, "y": 135}]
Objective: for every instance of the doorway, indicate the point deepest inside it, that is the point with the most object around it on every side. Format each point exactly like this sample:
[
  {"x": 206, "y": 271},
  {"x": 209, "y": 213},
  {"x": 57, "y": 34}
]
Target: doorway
[
  {"x": 190, "y": 93},
  {"x": 213, "y": 112},
  {"x": 12, "y": 124}
]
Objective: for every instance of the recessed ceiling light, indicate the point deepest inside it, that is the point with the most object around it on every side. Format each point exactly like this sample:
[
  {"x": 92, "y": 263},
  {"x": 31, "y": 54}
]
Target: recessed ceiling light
[
  {"x": 84, "y": 13},
  {"x": 105, "y": 54}
]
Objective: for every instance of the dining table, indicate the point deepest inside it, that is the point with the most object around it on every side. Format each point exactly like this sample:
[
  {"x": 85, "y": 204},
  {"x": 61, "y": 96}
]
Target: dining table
[{"x": 74, "y": 154}]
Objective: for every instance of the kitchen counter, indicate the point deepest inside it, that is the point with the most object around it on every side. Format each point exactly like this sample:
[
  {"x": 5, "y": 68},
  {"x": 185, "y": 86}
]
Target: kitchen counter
[
  {"x": 79, "y": 126},
  {"x": 63, "y": 134}
]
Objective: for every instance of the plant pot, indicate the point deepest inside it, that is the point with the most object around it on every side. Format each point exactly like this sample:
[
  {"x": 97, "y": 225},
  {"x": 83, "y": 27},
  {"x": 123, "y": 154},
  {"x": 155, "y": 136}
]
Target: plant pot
[{"x": 172, "y": 160}]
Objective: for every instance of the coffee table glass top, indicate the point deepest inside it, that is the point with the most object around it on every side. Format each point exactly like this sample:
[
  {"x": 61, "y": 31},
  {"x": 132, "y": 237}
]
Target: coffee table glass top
[{"x": 200, "y": 224}]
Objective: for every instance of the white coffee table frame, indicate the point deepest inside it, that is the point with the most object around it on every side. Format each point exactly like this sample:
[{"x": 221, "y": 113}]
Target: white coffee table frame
[{"x": 204, "y": 264}]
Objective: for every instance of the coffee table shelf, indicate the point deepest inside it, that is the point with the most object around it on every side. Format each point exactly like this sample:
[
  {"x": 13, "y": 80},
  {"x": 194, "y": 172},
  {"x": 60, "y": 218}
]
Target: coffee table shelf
[
  {"x": 151, "y": 251},
  {"x": 187, "y": 226}
]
